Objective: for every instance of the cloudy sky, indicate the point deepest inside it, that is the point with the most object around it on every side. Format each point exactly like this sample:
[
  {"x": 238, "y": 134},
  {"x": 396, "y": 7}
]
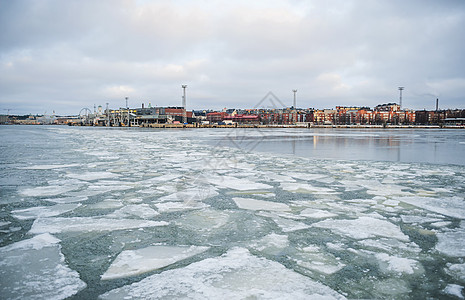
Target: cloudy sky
[{"x": 63, "y": 56}]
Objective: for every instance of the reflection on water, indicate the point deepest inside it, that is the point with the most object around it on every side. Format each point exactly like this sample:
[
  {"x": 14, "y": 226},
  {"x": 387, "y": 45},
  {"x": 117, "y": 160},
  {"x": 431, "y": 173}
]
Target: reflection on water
[{"x": 416, "y": 145}]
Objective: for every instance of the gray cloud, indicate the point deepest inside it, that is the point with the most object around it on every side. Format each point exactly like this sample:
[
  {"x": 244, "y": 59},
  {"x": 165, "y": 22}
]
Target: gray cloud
[{"x": 65, "y": 55}]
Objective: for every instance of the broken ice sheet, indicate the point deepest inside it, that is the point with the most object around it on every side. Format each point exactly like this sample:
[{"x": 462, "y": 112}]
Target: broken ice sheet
[
  {"x": 363, "y": 228},
  {"x": 253, "y": 204},
  {"x": 272, "y": 244},
  {"x": 142, "y": 211},
  {"x": 135, "y": 262},
  {"x": 204, "y": 220},
  {"x": 35, "y": 269},
  {"x": 235, "y": 275},
  {"x": 87, "y": 224},
  {"x": 43, "y": 211},
  {"x": 315, "y": 259}
]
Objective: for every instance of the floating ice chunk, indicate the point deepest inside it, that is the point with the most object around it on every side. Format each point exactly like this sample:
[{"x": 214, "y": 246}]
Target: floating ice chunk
[
  {"x": 241, "y": 184},
  {"x": 452, "y": 243},
  {"x": 253, "y": 204},
  {"x": 397, "y": 265},
  {"x": 235, "y": 275},
  {"x": 51, "y": 190},
  {"x": 194, "y": 194},
  {"x": 452, "y": 206},
  {"x": 307, "y": 176},
  {"x": 106, "y": 204},
  {"x": 2, "y": 223},
  {"x": 454, "y": 290},
  {"x": 143, "y": 211},
  {"x": 57, "y": 225},
  {"x": 317, "y": 213},
  {"x": 135, "y": 262},
  {"x": 391, "y": 202},
  {"x": 441, "y": 224},
  {"x": 305, "y": 188},
  {"x": 363, "y": 228},
  {"x": 36, "y": 269},
  {"x": 390, "y": 245},
  {"x": 456, "y": 270},
  {"x": 91, "y": 176},
  {"x": 179, "y": 206},
  {"x": 68, "y": 199},
  {"x": 49, "y": 167},
  {"x": 314, "y": 259},
  {"x": 418, "y": 219},
  {"x": 43, "y": 211},
  {"x": 204, "y": 220},
  {"x": 272, "y": 244},
  {"x": 285, "y": 224}
]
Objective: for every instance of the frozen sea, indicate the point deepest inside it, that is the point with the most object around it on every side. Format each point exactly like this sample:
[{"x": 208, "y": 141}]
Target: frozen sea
[{"x": 129, "y": 213}]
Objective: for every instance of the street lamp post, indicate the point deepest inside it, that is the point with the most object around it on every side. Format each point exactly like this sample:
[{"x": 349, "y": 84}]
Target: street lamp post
[
  {"x": 127, "y": 107},
  {"x": 295, "y": 108},
  {"x": 184, "y": 113}
]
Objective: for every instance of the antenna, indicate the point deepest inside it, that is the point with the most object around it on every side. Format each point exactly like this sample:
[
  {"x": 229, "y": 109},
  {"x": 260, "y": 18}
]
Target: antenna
[
  {"x": 184, "y": 113},
  {"x": 401, "y": 88}
]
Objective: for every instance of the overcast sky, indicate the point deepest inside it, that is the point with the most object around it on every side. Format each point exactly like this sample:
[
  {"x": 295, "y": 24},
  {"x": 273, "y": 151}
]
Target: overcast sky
[{"x": 63, "y": 56}]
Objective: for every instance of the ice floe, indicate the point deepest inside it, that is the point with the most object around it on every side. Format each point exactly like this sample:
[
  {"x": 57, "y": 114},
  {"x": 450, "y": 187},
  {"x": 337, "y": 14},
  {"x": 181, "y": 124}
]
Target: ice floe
[
  {"x": 91, "y": 176},
  {"x": 179, "y": 206},
  {"x": 271, "y": 244},
  {"x": 57, "y": 225},
  {"x": 193, "y": 194},
  {"x": 452, "y": 243},
  {"x": 363, "y": 228},
  {"x": 142, "y": 211},
  {"x": 315, "y": 259},
  {"x": 51, "y": 190},
  {"x": 398, "y": 265},
  {"x": 235, "y": 275},
  {"x": 457, "y": 271},
  {"x": 285, "y": 224},
  {"x": 297, "y": 187},
  {"x": 204, "y": 220},
  {"x": 43, "y": 211},
  {"x": 448, "y": 206},
  {"x": 454, "y": 290},
  {"x": 241, "y": 184},
  {"x": 135, "y": 262},
  {"x": 317, "y": 213},
  {"x": 35, "y": 269},
  {"x": 254, "y": 204}
]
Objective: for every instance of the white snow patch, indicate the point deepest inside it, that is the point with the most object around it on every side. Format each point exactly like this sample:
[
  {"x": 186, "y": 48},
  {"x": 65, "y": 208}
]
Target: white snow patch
[
  {"x": 135, "y": 262},
  {"x": 253, "y": 204},
  {"x": 234, "y": 275},
  {"x": 363, "y": 228},
  {"x": 58, "y": 225}
]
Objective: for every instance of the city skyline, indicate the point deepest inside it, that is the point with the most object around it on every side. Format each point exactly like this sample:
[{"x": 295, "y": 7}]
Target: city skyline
[{"x": 64, "y": 56}]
